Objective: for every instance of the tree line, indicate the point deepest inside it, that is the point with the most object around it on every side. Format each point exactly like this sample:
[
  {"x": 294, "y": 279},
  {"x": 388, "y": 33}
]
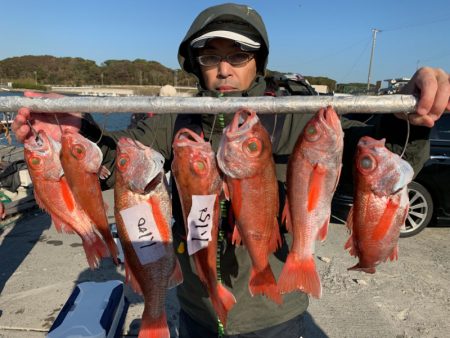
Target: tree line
[
  {"x": 69, "y": 71},
  {"x": 75, "y": 71}
]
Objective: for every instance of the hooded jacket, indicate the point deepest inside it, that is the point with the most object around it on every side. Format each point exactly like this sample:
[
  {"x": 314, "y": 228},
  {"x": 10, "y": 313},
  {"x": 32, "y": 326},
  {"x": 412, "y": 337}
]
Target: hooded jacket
[{"x": 250, "y": 313}]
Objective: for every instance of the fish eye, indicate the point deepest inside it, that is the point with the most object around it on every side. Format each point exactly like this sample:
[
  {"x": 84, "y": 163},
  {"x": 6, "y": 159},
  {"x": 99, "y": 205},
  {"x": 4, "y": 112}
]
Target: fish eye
[
  {"x": 78, "y": 151},
  {"x": 199, "y": 167},
  {"x": 35, "y": 162},
  {"x": 367, "y": 163},
  {"x": 312, "y": 133},
  {"x": 122, "y": 162},
  {"x": 252, "y": 146}
]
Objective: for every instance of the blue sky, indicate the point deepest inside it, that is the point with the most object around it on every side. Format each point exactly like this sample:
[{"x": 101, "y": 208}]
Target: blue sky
[{"x": 317, "y": 38}]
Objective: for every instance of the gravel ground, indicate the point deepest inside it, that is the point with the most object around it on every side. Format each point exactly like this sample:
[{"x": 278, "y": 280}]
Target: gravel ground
[{"x": 408, "y": 298}]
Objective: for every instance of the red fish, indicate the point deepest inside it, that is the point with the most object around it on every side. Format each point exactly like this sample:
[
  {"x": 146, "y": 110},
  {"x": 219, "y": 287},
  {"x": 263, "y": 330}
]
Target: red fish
[
  {"x": 380, "y": 204},
  {"x": 313, "y": 172},
  {"x": 53, "y": 194},
  {"x": 143, "y": 212},
  {"x": 81, "y": 160},
  {"x": 196, "y": 174},
  {"x": 245, "y": 157}
]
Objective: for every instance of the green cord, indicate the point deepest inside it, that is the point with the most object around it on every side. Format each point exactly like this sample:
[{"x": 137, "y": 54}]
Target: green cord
[{"x": 223, "y": 210}]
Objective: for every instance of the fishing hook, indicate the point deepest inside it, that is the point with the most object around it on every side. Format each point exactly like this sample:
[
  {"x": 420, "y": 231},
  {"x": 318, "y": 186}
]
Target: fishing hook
[
  {"x": 36, "y": 136},
  {"x": 407, "y": 135}
]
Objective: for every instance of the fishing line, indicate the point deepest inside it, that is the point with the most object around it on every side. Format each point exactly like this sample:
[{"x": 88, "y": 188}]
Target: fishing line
[
  {"x": 35, "y": 133},
  {"x": 407, "y": 135},
  {"x": 59, "y": 124},
  {"x": 212, "y": 128},
  {"x": 272, "y": 137},
  {"x": 103, "y": 128},
  {"x": 153, "y": 128}
]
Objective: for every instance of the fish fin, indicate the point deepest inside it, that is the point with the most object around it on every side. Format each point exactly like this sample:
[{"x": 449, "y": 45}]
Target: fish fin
[
  {"x": 385, "y": 221},
  {"x": 349, "y": 222},
  {"x": 177, "y": 275},
  {"x": 59, "y": 225},
  {"x": 154, "y": 328},
  {"x": 95, "y": 250},
  {"x": 394, "y": 254},
  {"x": 316, "y": 183},
  {"x": 103, "y": 172},
  {"x": 222, "y": 302},
  {"x": 286, "y": 216},
  {"x": 350, "y": 244},
  {"x": 106, "y": 206},
  {"x": 323, "y": 231},
  {"x": 263, "y": 283},
  {"x": 357, "y": 267},
  {"x": 236, "y": 202},
  {"x": 160, "y": 220},
  {"x": 236, "y": 239},
  {"x": 67, "y": 195},
  {"x": 275, "y": 239},
  {"x": 39, "y": 201},
  {"x": 339, "y": 170},
  {"x": 131, "y": 280},
  {"x": 300, "y": 274},
  {"x": 225, "y": 190}
]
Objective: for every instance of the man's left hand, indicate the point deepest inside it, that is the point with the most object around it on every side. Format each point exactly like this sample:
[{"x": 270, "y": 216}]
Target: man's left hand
[{"x": 432, "y": 86}]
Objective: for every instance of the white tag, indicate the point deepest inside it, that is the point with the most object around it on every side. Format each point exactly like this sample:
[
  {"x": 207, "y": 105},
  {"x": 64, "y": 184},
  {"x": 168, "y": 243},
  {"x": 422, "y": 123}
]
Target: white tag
[
  {"x": 200, "y": 220},
  {"x": 143, "y": 233}
]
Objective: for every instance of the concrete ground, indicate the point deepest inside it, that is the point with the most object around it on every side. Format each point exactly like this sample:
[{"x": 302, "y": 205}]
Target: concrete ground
[{"x": 408, "y": 298}]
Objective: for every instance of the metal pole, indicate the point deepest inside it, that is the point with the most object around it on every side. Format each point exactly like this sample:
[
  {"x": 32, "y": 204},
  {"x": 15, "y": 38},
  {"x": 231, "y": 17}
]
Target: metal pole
[
  {"x": 374, "y": 38},
  {"x": 209, "y": 105}
]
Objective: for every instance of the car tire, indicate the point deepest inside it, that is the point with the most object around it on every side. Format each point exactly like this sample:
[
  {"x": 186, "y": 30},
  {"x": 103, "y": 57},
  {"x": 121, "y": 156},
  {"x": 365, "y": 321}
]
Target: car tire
[{"x": 420, "y": 210}]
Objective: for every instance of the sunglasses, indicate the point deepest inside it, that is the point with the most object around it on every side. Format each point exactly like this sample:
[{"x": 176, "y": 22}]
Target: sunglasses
[{"x": 235, "y": 59}]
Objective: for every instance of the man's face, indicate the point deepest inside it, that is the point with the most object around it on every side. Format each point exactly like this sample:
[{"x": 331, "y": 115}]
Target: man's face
[{"x": 225, "y": 77}]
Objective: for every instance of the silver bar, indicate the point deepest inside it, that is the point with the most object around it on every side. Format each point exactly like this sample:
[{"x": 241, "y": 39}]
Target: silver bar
[{"x": 208, "y": 105}]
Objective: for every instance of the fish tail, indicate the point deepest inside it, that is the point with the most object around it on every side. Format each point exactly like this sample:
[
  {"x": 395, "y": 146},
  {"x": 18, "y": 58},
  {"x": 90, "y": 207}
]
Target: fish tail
[
  {"x": 177, "y": 275},
  {"x": 275, "y": 239},
  {"x": 131, "y": 280},
  {"x": 111, "y": 246},
  {"x": 286, "y": 216},
  {"x": 394, "y": 254},
  {"x": 236, "y": 239},
  {"x": 94, "y": 249},
  {"x": 350, "y": 244},
  {"x": 358, "y": 267},
  {"x": 222, "y": 302},
  {"x": 154, "y": 328},
  {"x": 300, "y": 273},
  {"x": 263, "y": 282}
]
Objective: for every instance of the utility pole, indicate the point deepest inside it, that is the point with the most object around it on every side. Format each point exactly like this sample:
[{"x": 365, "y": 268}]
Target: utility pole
[{"x": 374, "y": 38}]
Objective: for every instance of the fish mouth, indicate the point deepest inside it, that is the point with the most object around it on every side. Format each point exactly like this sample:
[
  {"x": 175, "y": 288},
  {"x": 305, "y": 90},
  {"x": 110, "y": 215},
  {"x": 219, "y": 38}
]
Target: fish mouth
[
  {"x": 153, "y": 183},
  {"x": 243, "y": 120},
  {"x": 369, "y": 142},
  {"x": 129, "y": 142},
  {"x": 185, "y": 137},
  {"x": 330, "y": 117}
]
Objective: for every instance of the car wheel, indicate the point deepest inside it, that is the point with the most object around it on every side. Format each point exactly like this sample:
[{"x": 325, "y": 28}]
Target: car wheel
[{"x": 420, "y": 210}]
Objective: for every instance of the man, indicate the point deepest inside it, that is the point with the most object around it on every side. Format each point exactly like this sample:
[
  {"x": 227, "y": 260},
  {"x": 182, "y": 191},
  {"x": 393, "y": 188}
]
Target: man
[{"x": 227, "y": 49}]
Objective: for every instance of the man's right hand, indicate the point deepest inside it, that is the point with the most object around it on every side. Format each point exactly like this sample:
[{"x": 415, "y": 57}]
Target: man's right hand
[{"x": 44, "y": 121}]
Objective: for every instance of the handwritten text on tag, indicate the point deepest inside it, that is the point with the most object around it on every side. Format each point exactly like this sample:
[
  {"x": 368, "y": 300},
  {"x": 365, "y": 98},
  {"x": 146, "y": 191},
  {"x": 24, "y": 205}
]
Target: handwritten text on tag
[
  {"x": 200, "y": 221},
  {"x": 143, "y": 232}
]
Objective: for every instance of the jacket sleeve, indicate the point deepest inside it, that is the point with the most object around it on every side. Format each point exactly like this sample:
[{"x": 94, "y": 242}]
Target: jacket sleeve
[
  {"x": 395, "y": 131},
  {"x": 156, "y": 131}
]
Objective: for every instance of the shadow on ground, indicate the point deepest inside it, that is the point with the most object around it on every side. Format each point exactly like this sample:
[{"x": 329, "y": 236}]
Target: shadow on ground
[{"x": 20, "y": 240}]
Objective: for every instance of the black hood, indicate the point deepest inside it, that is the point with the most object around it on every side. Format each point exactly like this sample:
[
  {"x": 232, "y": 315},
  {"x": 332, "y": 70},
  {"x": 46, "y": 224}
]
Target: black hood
[{"x": 229, "y": 11}]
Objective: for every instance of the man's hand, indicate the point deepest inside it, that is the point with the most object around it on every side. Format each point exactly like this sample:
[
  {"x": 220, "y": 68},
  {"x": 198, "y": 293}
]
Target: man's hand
[
  {"x": 43, "y": 121},
  {"x": 432, "y": 85}
]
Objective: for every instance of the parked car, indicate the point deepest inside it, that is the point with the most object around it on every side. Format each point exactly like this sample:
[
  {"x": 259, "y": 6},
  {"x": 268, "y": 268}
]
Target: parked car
[{"x": 429, "y": 193}]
